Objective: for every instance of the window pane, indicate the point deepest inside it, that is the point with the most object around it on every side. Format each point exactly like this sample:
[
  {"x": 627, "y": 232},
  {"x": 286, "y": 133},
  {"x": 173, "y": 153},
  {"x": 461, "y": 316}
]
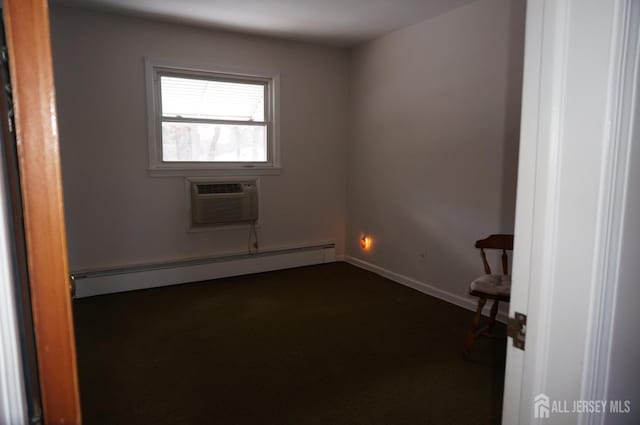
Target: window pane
[
  {"x": 194, "y": 98},
  {"x": 213, "y": 142}
]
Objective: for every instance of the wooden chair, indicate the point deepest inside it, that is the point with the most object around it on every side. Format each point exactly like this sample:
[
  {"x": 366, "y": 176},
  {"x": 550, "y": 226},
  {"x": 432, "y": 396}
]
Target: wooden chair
[{"x": 496, "y": 287}]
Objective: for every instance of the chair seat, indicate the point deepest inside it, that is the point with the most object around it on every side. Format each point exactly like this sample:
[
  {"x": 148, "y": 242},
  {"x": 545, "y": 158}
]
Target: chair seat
[{"x": 496, "y": 285}]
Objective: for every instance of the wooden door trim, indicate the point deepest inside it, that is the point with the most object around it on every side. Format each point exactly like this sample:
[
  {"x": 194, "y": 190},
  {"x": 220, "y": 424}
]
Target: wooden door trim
[{"x": 28, "y": 40}]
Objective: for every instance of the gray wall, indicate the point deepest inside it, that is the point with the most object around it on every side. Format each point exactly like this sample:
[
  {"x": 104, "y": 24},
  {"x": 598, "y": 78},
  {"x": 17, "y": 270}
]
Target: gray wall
[
  {"x": 435, "y": 109},
  {"x": 116, "y": 213}
]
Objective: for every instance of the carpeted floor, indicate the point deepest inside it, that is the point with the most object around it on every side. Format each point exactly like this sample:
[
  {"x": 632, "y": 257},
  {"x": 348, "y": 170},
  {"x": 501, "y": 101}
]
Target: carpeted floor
[{"x": 320, "y": 345}]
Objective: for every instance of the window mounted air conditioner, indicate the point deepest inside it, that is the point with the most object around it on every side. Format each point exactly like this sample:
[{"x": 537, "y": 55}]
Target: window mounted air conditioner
[{"x": 223, "y": 203}]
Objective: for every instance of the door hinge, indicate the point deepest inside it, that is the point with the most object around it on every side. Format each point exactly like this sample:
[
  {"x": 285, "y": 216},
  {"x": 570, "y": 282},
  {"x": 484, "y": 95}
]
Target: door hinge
[{"x": 517, "y": 329}]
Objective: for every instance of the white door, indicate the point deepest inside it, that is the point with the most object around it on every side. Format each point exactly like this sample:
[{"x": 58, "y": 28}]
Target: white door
[{"x": 573, "y": 151}]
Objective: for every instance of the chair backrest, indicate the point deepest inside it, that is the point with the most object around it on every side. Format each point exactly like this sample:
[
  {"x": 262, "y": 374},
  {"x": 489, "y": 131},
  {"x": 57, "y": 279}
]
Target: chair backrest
[{"x": 501, "y": 242}]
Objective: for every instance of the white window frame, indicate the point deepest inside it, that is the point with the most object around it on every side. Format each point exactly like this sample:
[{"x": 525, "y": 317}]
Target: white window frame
[{"x": 154, "y": 68}]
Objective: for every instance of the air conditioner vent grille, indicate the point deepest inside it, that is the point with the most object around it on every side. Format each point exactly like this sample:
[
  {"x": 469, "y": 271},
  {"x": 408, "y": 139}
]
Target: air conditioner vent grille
[
  {"x": 223, "y": 203},
  {"x": 219, "y": 188}
]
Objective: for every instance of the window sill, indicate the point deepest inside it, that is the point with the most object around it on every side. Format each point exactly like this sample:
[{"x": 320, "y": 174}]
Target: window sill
[{"x": 214, "y": 172}]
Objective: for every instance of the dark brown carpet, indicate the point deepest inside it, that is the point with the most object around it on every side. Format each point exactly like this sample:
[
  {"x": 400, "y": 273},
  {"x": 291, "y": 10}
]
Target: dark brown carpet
[{"x": 320, "y": 345}]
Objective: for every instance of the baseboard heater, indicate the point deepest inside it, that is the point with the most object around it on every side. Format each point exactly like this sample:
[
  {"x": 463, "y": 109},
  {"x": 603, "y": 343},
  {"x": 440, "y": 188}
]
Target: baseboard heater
[{"x": 144, "y": 276}]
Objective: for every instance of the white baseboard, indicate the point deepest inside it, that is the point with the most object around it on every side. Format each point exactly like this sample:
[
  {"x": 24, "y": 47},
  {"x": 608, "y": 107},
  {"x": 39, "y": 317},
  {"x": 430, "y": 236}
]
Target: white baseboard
[
  {"x": 108, "y": 281},
  {"x": 425, "y": 288}
]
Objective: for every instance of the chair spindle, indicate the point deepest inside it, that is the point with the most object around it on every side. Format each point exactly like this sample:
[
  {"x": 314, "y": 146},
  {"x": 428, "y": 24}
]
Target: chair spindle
[
  {"x": 505, "y": 263},
  {"x": 487, "y": 269}
]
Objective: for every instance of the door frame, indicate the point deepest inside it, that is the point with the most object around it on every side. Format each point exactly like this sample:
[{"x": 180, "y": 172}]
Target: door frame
[
  {"x": 13, "y": 403},
  {"x": 571, "y": 178},
  {"x": 29, "y": 45}
]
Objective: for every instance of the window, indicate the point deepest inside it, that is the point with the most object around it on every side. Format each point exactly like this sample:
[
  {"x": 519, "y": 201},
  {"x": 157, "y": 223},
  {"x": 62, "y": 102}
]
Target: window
[{"x": 211, "y": 122}]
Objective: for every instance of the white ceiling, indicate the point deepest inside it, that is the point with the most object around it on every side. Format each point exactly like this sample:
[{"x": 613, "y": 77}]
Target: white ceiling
[{"x": 341, "y": 22}]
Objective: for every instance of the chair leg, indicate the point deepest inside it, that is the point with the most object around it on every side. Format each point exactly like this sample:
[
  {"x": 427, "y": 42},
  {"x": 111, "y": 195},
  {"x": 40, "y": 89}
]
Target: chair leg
[
  {"x": 492, "y": 318},
  {"x": 473, "y": 332}
]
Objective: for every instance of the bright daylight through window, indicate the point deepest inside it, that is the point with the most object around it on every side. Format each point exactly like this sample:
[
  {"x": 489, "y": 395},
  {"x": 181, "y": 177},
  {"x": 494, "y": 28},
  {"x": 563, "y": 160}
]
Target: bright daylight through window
[{"x": 210, "y": 120}]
